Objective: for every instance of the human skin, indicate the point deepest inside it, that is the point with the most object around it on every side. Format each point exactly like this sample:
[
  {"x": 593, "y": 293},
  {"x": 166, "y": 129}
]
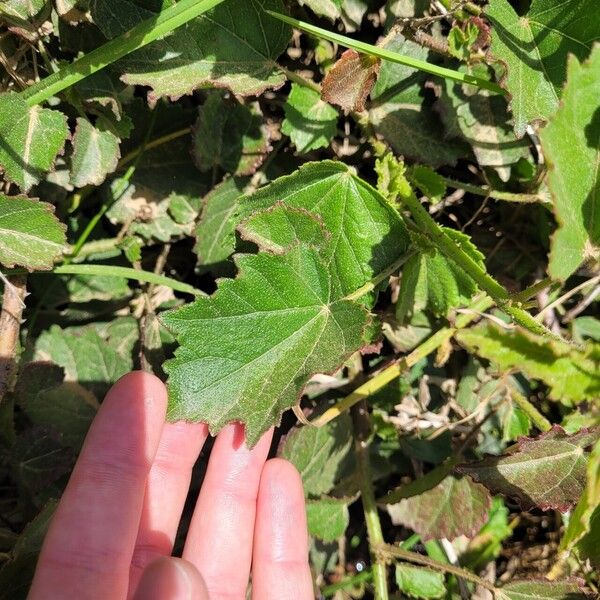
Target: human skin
[{"x": 113, "y": 532}]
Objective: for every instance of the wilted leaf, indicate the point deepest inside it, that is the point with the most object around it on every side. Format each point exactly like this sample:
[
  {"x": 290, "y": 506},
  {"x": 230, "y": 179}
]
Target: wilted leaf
[
  {"x": 95, "y": 154},
  {"x": 328, "y": 518},
  {"x": 30, "y": 235},
  {"x": 31, "y": 139},
  {"x": 310, "y": 122},
  {"x": 419, "y": 582},
  {"x": 319, "y": 454},
  {"x": 548, "y": 471},
  {"x": 542, "y": 590},
  {"x": 215, "y": 232},
  {"x": 431, "y": 281},
  {"x": 571, "y": 373},
  {"x": 456, "y": 506},
  {"x": 234, "y": 45},
  {"x": 229, "y": 135},
  {"x": 245, "y": 355},
  {"x": 399, "y": 114},
  {"x": 350, "y": 81},
  {"x": 571, "y": 144},
  {"x": 367, "y": 233},
  {"x": 534, "y": 49}
]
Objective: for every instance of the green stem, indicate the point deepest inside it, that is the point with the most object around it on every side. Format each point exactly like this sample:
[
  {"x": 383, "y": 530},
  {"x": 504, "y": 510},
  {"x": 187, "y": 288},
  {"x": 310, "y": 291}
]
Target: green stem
[
  {"x": 539, "y": 420},
  {"x": 531, "y": 291},
  {"x": 94, "y": 247},
  {"x": 330, "y": 590},
  {"x": 394, "y": 552},
  {"x": 486, "y": 282},
  {"x": 362, "y": 428},
  {"x": 139, "y": 36},
  {"x": 490, "y": 193},
  {"x": 384, "y": 54}
]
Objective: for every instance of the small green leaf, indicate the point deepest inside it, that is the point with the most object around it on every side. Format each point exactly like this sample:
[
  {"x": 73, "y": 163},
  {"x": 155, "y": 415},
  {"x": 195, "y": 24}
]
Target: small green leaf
[
  {"x": 327, "y": 518},
  {"x": 319, "y": 454},
  {"x": 245, "y": 355},
  {"x": 570, "y": 372},
  {"x": 31, "y": 139},
  {"x": 95, "y": 154},
  {"x": 456, "y": 506},
  {"x": 229, "y": 135},
  {"x": 419, "y": 582},
  {"x": 542, "y": 589},
  {"x": 30, "y": 235},
  {"x": 428, "y": 182},
  {"x": 310, "y": 122},
  {"x": 534, "y": 48},
  {"x": 571, "y": 144},
  {"x": 548, "y": 471}
]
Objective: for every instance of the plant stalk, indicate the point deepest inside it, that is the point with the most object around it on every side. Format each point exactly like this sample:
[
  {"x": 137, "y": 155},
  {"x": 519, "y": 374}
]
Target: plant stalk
[
  {"x": 496, "y": 194},
  {"x": 538, "y": 419}
]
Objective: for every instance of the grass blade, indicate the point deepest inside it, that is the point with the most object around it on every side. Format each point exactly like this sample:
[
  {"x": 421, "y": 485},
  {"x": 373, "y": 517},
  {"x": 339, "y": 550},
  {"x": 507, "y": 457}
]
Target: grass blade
[
  {"x": 384, "y": 54},
  {"x": 139, "y": 36}
]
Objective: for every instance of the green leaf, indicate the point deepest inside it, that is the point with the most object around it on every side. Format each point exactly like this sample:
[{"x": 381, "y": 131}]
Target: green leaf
[
  {"x": 310, "y": 122},
  {"x": 571, "y": 144},
  {"x": 324, "y": 8},
  {"x": 399, "y": 114},
  {"x": 49, "y": 402},
  {"x": 319, "y": 454},
  {"x": 433, "y": 282},
  {"x": 215, "y": 232},
  {"x": 327, "y": 518},
  {"x": 80, "y": 289},
  {"x": 234, "y": 45},
  {"x": 31, "y": 139},
  {"x": 548, "y": 471},
  {"x": 95, "y": 154},
  {"x": 367, "y": 234},
  {"x": 30, "y": 235},
  {"x": 245, "y": 355},
  {"x": 570, "y": 372},
  {"x": 534, "y": 49},
  {"x": 542, "y": 590},
  {"x": 21, "y": 10},
  {"x": 93, "y": 356},
  {"x": 419, "y": 582},
  {"x": 229, "y": 135},
  {"x": 456, "y": 506},
  {"x": 428, "y": 182}
]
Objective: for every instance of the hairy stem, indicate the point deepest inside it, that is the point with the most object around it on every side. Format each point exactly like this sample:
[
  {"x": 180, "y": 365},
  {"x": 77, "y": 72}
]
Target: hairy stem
[
  {"x": 490, "y": 193},
  {"x": 362, "y": 428},
  {"x": 538, "y": 419}
]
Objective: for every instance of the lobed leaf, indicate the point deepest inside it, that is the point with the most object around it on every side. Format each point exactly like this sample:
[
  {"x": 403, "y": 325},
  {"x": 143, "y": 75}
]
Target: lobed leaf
[
  {"x": 548, "y": 471},
  {"x": 571, "y": 144},
  {"x": 30, "y": 235}
]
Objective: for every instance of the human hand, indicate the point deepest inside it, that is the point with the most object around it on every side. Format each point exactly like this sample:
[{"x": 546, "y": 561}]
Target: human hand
[{"x": 112, "y": 535}]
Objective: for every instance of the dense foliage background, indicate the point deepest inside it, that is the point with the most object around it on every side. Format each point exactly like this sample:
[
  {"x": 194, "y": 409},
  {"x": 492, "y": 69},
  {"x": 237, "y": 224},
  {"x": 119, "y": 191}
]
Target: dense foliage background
[{"x": 408, "y": 257}]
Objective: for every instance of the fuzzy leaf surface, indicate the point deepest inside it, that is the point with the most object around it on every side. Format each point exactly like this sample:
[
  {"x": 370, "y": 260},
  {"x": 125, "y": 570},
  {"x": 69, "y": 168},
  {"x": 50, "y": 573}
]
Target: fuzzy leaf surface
[
  {"x": 548, "y": 471},
  {"x": 327, "y": 518},
  {"x": 571, "y": 144},
  {"x": 419, "y": 582},
  {"x": 31, "y": 139},
  {"x": 454, "y": 507},
  {"x": 246, "y": 353},
  {"x": 95, "y": 154},
  {"x": 234, "y": 45},
  {"x": 319, "y": 454},
  {"x": 30, "y": 235},
  {"x": 534, "y": 50},
  {"x": 542, "y": 590},
  {"x": 367, "y": 234},
  {"x": 571, "y": 373},
  {"x": 310, "y": 122}
]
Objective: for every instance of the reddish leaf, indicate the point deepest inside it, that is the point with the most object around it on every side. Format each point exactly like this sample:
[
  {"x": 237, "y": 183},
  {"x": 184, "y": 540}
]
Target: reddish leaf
[
  {"x": 350, "y": 81},
  {"x": 548, "y": 471}
]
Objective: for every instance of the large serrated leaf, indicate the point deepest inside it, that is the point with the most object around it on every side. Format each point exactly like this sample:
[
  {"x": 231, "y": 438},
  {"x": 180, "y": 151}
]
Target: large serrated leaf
[
  {"x": 30, "y": 139},
  {"x": 30, "y": 235},
  {"x": 246, "y": 353},
  {"x": 571, "y": 373},
  {"x": 456, "y": 506},
  {"x": 235, "y": 45},
  {"x": 571, "y": 144},
  {"x": 548, "y": 471},
  {"x": 534, "y": 49}
]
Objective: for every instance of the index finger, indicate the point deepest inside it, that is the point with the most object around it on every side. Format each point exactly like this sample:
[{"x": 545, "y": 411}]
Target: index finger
[{"x": 88, "y": 548}]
